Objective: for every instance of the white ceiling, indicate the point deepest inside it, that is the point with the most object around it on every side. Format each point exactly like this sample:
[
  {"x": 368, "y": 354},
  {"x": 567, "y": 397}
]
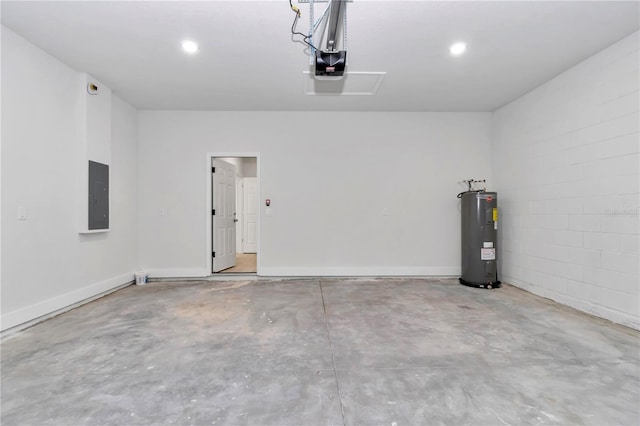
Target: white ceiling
[{"x": 248, "y": 61}]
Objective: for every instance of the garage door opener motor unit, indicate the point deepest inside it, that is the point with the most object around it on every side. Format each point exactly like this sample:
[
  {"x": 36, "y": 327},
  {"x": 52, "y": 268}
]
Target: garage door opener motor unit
[{"x": 479, "y": 214}]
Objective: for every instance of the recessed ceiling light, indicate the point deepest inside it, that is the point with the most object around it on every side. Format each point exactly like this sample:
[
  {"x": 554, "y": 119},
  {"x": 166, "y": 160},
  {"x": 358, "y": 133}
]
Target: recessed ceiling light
[
  {"x": 190, "y": 46},
  {"x": 457, "y": 49}
]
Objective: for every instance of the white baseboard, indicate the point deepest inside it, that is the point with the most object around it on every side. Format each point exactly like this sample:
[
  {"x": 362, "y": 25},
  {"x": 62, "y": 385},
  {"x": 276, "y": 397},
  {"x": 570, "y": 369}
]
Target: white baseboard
[
  {"x": 364, "y": 271},
  {"x": 612, "y": 315},
  {"x": 48, "y": 308},
  {"x": 178, "y": 272}
]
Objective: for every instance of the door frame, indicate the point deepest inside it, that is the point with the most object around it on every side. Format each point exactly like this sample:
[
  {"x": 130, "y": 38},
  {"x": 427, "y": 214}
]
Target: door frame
[
  {"x": 209, "y": 201},
  {"x": 239, "y": 211},
  {"x": 244, "y": 217}
]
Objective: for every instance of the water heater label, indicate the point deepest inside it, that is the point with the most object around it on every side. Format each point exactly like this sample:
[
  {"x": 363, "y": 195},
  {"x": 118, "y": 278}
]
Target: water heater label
[
  {"x": 487, "y": 244},
  {"x": 488, "y": 254},
  {"x": 495, "y": 215}
]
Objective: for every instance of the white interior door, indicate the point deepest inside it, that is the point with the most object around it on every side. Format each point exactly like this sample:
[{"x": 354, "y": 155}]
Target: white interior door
[
  {"x": 223, "y": 213},
  {"x": 250, "y": 215}
]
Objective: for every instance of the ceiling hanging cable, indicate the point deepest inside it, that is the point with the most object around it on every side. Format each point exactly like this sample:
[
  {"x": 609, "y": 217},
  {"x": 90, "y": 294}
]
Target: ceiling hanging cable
[{"x": 305, "y": 38}]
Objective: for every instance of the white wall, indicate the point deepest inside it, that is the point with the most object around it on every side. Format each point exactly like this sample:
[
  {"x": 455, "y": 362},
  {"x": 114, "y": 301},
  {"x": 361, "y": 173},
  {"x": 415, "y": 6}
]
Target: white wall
[
  {"x": 46, "y": 264},
  {"x": 328, "y": 184},
  {"x": 245, "y": 166},
  {"x": 250, "y": 167},
  {"x": 566, "y": 166}
]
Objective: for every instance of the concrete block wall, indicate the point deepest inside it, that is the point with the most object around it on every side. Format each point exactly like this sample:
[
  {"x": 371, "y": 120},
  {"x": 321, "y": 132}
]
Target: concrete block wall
[{"x": 566, "y": 169}]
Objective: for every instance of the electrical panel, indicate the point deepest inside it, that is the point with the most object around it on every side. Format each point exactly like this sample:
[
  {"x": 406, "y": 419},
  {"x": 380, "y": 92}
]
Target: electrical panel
[{"x": 98, "y": 196}]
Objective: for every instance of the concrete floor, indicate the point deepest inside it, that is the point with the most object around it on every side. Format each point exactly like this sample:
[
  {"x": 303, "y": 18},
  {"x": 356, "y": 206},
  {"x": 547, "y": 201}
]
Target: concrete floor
[{"x": 316, "y": 352}]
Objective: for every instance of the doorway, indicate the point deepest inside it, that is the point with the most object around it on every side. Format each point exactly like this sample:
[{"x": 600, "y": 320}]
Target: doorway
[{"x": 235, "y": 218}]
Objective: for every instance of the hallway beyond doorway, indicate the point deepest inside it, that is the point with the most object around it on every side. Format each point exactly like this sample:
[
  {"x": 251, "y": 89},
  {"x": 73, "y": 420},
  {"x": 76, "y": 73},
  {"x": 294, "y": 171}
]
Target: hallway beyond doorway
[{"x": 245, "y": 263}]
